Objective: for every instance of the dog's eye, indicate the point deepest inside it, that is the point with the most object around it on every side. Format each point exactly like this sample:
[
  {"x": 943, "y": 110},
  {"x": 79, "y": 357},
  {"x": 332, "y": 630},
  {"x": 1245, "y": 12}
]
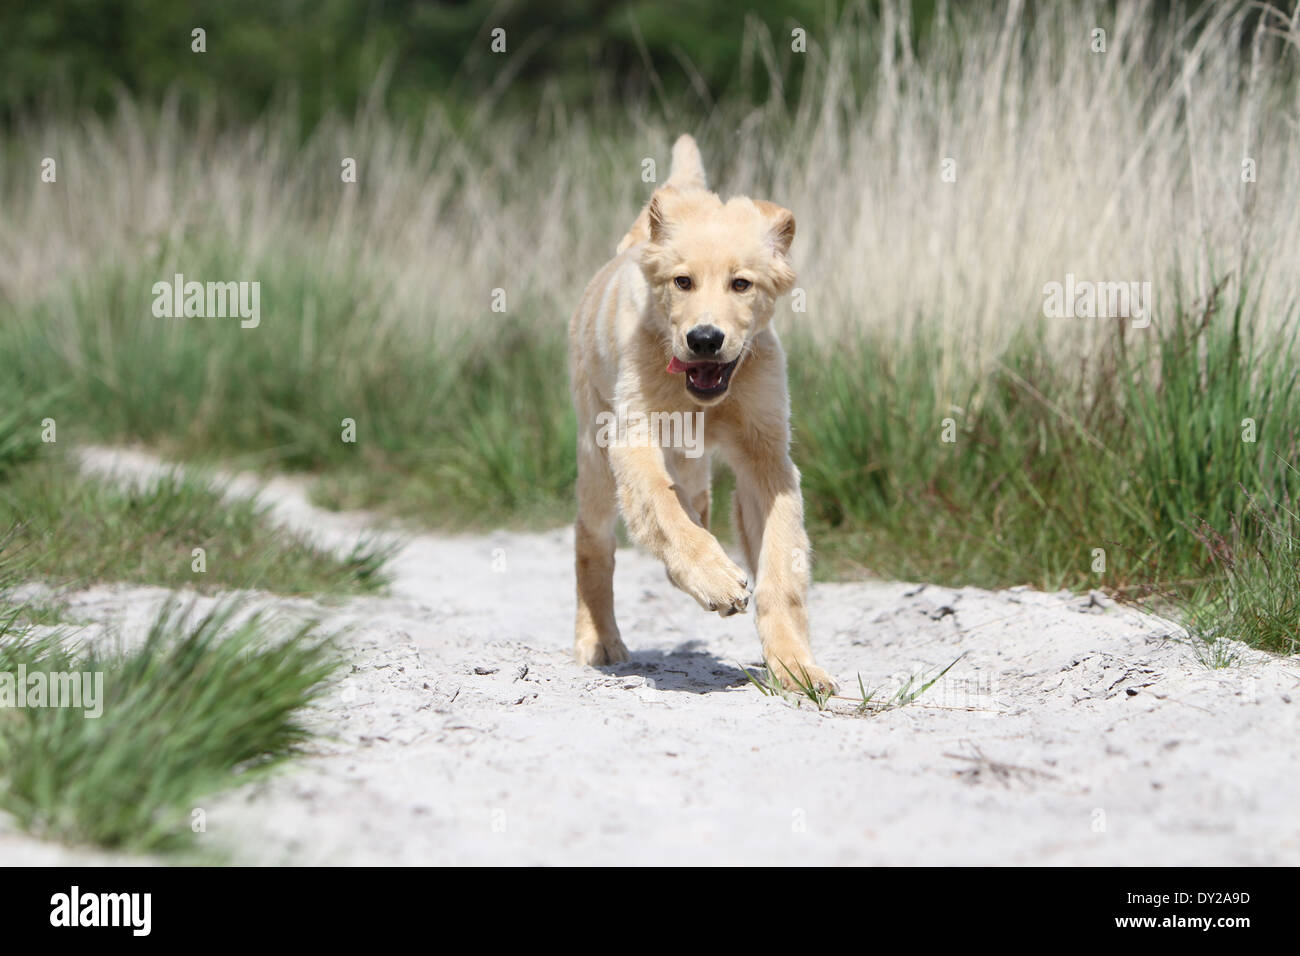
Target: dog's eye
[
  {"x": 740, "y": 285},
  {"x": 683, "y": 283}
]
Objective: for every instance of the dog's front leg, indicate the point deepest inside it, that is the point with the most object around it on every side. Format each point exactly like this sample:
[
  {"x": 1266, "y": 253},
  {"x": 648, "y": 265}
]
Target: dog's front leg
[
  {"x": 769, "y": 518},
  {"x": 657, "y": 519}
]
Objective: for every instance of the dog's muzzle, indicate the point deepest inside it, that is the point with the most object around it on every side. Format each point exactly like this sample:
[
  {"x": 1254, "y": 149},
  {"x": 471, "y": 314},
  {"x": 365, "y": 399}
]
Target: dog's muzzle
[{"x": 707, "y": 379}]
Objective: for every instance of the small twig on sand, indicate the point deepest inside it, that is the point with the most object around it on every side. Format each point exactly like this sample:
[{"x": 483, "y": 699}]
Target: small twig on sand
[{"x": 1003, "y": 773}]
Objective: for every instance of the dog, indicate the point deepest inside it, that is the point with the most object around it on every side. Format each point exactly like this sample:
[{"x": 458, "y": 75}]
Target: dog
[{"x": 677, "y": 328}]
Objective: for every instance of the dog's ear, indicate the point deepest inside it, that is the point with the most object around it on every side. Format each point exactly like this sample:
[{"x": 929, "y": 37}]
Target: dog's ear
[
  {"x": 780, "y": 222},
  {"x": 658, "y": 218},
  {"x": 652, "y": 224},
  {"x": 780, "y": 233},
  {"x": 655, "y": 226}
]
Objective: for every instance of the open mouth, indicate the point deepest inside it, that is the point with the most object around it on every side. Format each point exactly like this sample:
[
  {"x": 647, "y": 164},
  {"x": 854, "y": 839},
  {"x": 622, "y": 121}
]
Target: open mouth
[{"x": 704, "y": 379}]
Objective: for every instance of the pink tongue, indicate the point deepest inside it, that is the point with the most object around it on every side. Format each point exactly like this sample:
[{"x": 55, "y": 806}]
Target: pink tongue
[{"x": 676, "y": 366}]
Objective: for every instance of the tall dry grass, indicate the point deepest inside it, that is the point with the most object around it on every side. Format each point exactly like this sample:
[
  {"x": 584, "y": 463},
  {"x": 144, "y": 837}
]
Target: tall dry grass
[{"x": 1125, "y": 164}]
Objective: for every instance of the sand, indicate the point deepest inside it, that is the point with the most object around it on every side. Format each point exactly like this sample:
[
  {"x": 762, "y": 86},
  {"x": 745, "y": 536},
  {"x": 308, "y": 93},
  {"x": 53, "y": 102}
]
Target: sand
[{"x": 1070, "y": 730}]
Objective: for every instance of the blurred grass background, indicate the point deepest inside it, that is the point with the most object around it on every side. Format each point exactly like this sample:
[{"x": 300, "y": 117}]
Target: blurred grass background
[
  {"x": 519, "y": 172},
  {"x": 326, "y": 56}
]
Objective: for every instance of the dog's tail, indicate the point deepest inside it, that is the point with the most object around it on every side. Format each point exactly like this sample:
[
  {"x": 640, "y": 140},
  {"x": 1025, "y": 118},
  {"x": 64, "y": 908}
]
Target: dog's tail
[
  {"x": 688, "y": 168},
  {"x": 687, "y": 172}
]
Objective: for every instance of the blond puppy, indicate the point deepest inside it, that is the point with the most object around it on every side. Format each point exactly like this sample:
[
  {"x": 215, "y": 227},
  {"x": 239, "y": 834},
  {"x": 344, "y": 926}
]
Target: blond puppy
[{"x": 674, "y": 333}]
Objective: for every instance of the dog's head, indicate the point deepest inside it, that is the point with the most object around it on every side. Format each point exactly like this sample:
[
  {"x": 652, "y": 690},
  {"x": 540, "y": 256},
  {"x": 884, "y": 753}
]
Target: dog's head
[{"x": 717, "y": 270}]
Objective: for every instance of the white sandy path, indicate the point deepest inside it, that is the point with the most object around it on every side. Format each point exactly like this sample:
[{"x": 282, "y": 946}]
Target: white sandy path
[{"x": 1069, "y": 733}]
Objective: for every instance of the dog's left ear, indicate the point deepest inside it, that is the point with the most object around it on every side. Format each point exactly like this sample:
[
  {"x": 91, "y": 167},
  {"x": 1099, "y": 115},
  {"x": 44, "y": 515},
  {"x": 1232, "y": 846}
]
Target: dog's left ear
[
  {"x": 780, "y": 233},
  {"x": 780, "y": 223}
]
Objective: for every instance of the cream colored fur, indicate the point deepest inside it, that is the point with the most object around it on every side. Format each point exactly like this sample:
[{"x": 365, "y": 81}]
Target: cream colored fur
[{"x": 632, "y": 320}]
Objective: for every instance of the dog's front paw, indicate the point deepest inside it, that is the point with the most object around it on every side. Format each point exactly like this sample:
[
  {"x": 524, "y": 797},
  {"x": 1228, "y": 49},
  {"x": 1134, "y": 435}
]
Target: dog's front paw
[
  {"x": 796, "y": 675},
  {"x": 713, "y": 579},
  {"x": 596, "y": 653}
]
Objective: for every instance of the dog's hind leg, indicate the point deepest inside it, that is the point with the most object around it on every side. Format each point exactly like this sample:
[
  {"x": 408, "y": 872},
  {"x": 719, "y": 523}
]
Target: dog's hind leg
[
  {"x": 693, "y": 480},
  {"x": 749, "y": 536},
  {"x": 596, "y": 638}
]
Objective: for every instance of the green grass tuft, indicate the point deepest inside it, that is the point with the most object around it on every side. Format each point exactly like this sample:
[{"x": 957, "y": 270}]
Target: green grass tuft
[
  {"x": 75, "y": 530},
  {"x": 197, "y": 708},
  {"x": 1253, "y": 594}
]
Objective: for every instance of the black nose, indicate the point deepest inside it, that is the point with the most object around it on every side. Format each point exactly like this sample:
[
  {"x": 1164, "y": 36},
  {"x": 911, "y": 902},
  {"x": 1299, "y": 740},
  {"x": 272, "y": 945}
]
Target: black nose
[{"x": 705, "y": 339}]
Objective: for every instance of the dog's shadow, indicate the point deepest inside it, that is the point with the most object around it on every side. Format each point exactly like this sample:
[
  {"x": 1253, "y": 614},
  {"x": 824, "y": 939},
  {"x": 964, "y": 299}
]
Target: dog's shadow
[{"x": 687, "y": 668}]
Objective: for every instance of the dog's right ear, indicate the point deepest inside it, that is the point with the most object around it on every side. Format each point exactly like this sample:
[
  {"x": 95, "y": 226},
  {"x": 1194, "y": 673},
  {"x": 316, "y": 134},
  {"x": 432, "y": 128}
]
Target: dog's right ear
[
  {"x": 657, "y": 221},
  {"x": 652, "y": 224},
  {"x": 657, "y": 216}
]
